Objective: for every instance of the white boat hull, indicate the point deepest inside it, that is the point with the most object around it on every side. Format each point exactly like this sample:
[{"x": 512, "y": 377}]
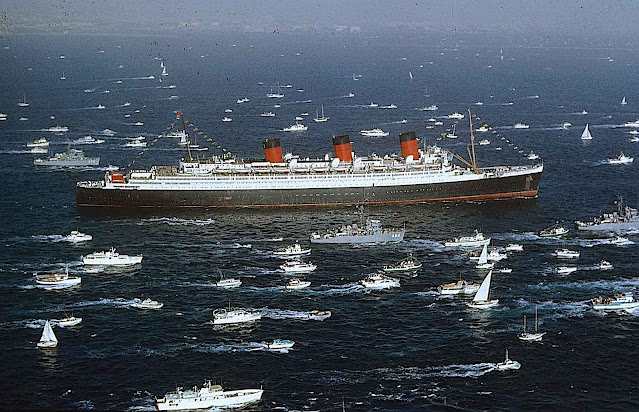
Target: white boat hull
[
  {"x": 476, "y": 243},
  {"x": 618, "y": 306},
  {"x": 133, "y": 260},
  {"x": 532, "y": 337},
  {"x": 484, "y": 304},
  {"x": 229, "y": 399}
]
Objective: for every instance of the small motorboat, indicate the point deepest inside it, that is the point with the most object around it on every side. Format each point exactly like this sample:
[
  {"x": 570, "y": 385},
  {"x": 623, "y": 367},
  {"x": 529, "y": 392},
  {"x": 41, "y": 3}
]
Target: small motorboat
[
  {"x": 279, "y": 344},
  {"x": 41, "y": 142},
  {"x": 620, "y": 241},
  {"x": 66, "y": 322},
  {"x": 555, "y": 230},
  {"x": 532, "y": 156},
  {"x": 147, "y": 304},
  {"x": 76, "y": 237},
  {"x": 228, "y": 283},
  {"x": 318, "y": 314},
  {"x": 475, "y": 240},
  {"x": 292, "y": 251},
  {"x": 379, "y": 281},
  {"x": 57, "y": 280},
  {"x": 514, "y": 247},
  {"x": 461, "y": 287},
  {"x": 564, "y": 270},
  {"x": 506, "y": 270},
  {"x": 567, "y": 254},
  {"x": 297, "y": 266},
  {"x": 507, "y": 364},
  {"x": 408, "y": 264},
  {"x": 231, "y": 316},
  {"x": 295, "y": 283},
  {"x": 604, "y": 265},
  {"x": 624, "y": 300},
  {"x": 621, "y": 159}
]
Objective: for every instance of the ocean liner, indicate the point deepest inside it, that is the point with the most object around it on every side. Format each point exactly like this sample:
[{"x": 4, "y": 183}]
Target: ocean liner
[{"x": 417, "y": 175}]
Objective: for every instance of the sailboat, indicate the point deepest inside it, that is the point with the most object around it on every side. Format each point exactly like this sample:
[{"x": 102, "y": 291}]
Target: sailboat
[
  {"x": 23, "y": 102},
  {"x": 277, "y": 95},
  {"x": 508, "y": 364},
  {"x": 531, "y": 337},
  {"x": 452, "y": 135},
  {"x": 483, "y": 259},
  {"x": 164, "y": 73},
  {"x": 482, "y": 297},
  {"x": 623, "y": 101},
  {"x": 63, "y": 77},
  {"x": 48, "y": 339},
  {"x": 321, "y": 119},
  {"x": 586, "y": 134}
]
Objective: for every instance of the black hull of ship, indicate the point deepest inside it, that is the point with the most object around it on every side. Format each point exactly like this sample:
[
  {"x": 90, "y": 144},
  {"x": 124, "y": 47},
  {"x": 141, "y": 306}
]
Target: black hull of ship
[{"x": 522, "y": 186}]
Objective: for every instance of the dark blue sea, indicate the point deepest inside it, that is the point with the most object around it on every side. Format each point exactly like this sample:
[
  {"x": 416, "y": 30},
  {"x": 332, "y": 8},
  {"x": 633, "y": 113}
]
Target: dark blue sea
[{"x": 405, "y": 349}]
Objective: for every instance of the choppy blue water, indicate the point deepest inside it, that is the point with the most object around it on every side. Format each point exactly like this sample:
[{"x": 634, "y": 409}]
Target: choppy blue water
[{"x": 404, "y": 349}]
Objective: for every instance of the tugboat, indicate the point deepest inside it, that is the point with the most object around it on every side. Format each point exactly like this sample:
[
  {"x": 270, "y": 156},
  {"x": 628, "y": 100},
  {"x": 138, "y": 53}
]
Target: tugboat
[
  {"x": 208, "y": 397},
  {"x": 617, "y": 302},
  {"x": 408, "y": 264},
  {"x": 369, "y": 231},
  {"x": 555, "y": 230}
]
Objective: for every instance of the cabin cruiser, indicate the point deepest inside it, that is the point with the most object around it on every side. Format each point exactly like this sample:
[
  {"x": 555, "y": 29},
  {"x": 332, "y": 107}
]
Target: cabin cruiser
[
  {"x": 228, "y": 283},
  {"x": 461, "y": 287},
  {"x": 474, "y": 240},
  {"x": 292, "y": 251},
  {"x": 521, "y": 126},
  {"x": 231, "y": 316},
  {"x": 373, "y": 133},
  {"x": 295, "y": 283},
  {"x": 297, "y": 266},
  {"x": 567, "y": 254},
  {"x": 405, "y": 265},
  {"x": 147, "y": 304},
  {"x": 267, "y": 114},
  {"x": 57, "y": 280},
  {"x": 555, "y": 230},
  {"x": 297, "y": 127},
  {"x": 76, "y": 237},
  {"x": 604, "y": 265},
  {"x": 58, "y": 129},
  {"x": 430, "y": 108},
  {"x": 507, "y": 364},
  {"x": 483, "y": 128},
  {"x": 532, "y": 156},
  {"x": 279, "y": 344},
  {"x": 41, "y": 142},
  {"x": 110, "y": 258},
  {"x": 621, "y": 241},
  {"x": 135, "y": 143},
  {"x": 318, "y": 314},
  {"x": 66, "y": 322},
  {"x": 379, "y": 281},
  {"x": 456, "y": 115},
  {"x": 87, "y": 140},
  {"x": 619, "y": 301},
  {"x": 227, "y": 119},
  {"x": 564, "y": 270},
  {"x": 621, "y": 159},
  {"x": 208, "y": 397},
  {"x": 242, "y": 100},
  {"x": 514, "y": 247},
  {"x": 484, "y": 142},
  {"x": 632, "y": 124}
]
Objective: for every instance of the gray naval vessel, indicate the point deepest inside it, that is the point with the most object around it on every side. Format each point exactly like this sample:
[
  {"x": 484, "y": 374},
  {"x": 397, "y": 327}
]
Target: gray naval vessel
[
  {"x": 72, "y": 157},
  {"x": 369, "y": 231},
  {"x": 625, "y": 218}
]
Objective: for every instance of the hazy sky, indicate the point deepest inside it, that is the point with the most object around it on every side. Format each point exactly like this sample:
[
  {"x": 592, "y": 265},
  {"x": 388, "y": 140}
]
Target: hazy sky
[{"x": 571, "y": 16}]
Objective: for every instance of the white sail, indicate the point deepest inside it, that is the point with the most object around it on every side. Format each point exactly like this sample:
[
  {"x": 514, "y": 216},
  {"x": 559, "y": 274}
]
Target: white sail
[
  {"x": 623, "y": 101},
  {"x": 47, "y": 334},
  {"x": 586, "y": 134},
  {"x": 483, "y": 258},
  {"x": 484, "y": 289}
]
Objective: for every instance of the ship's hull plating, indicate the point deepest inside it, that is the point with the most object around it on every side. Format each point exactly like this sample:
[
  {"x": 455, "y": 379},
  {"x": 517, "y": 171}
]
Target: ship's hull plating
[
  {"x": 610, "y": 227},
  {"x": 520, "y": 186}
]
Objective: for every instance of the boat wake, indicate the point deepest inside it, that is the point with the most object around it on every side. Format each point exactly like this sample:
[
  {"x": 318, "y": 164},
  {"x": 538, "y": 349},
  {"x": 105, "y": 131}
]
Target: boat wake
[
  {"x": 594, "y": 285},
  {"x": 117, "y": 302},
  {"x": 175, "y": 221},
  {"x": 284, "y": 314},
  {"x": 48, "y": 238}
]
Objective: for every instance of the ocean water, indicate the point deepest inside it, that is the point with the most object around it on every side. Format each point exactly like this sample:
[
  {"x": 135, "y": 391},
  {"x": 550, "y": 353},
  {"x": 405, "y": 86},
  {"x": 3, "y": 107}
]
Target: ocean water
[{"x": 404, "y": 349}]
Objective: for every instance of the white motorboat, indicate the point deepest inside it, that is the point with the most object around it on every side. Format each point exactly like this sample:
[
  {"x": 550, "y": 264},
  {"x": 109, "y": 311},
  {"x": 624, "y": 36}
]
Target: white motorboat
[
  {"x": 226, "y": 119},
  {"x": 483, "y": 128},
  {"x": 617, "y": 302},
  {"x": 484, "y": 142},
  {"x": 430, "y": 108},
  {"x": 408, "y": 264},
  {"x": 297, "y": 266},
  {"x": 506, "y": 270},
  {"x": 279, "y": 344},
  {"x": 267, "y": 114},
  {"x": 76, "y": 237},
  {"x": 138, "y": 124},
  {"x": 564, "y": 270},
  {"x": 482, "y": 297},
  {"x": 555, "y": 230},
  {"x": 292, "y": 251},
  {"x": 583, "y": 112},
  {"x": 586, "y": 134},
  {"x": 41, "y": 142},
  {"x": 514, "y": 247},
  {"x": 621, "y": 159},
  {"x": 319, "y": 314},
  {"x": 521, "y": 126},
  {"x": 494, "y": 255},
  {"x": 532, "y": 156},
  {"x": 322, "y": 118},
  {"x": 243, "y": 100},
  {"x": 228, "y": 283},
  {"x": 376, "y": 132},
  {"x": 351, "y": 94},
  {"x": 48, "y": 338},
  {"x": 632, "y": 124},
  {"x": 231, "y": 316},
  {"x": 567, "y": 254},
  {"x": 373, "y": 105},
  {"x": 135, "y": 143},
  {"x": 379, "y": 281},
  {"x": 147, "y": 304},
  {"x": 483, "y": 259},
  {"x": 604, "y": 265},
  {"x": 110, "y": 258},
  {"x": 620, "y": 241},
  {"x": 57, "y": 280},
  {"x": 461, "y": 287},
  {"x": 66, "y": 322},
  {"x": 456, "y": 115},
  {"x": 39, "y": 150},
  {"x": 475, "y": 240},
  {"x": 297, "y": 127},
  {"x": 228, "y": 110},
  {"x": 479, "y": 103},
  {"x": 295, "y": 283},
  {"x": 566, "y": 125},
  {"x": 208, "y": 397},
  {"x": 531, "y": 336},
  {"x": 507, "y": 364},
  {"x": 58, "y": 129}
]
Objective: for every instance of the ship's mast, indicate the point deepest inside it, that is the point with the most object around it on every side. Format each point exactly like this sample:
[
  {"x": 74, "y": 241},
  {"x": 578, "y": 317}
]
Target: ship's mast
[
  {"x": 186, "y": 136},
  {"x": 473, "y": 159}
]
